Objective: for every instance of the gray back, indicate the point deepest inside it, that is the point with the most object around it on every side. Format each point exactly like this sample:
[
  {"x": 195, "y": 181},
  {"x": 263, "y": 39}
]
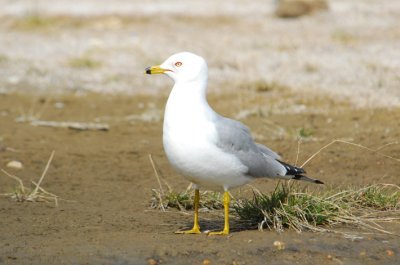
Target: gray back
[{"x": 235, "y": 138}]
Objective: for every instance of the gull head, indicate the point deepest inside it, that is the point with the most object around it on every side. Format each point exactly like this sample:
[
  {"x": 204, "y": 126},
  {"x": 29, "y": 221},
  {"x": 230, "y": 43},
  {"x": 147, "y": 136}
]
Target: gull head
[{"x": 182, "y": 67}]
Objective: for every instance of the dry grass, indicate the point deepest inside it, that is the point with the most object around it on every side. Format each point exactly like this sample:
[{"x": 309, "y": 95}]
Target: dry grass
[
  {"x": 33, "y": 113},
  {"x": 290, "y": 207},
  {"x": 84, "y": 62},
  {"x": 33, "y": 22},
  {"x": 343, "y": 37},
  {"x": 375, "y": 151},
  {"x": 184, "y": 200},
  {"x": 43, "y": 23},
  {"x": 37, "y": 194},
  {"x": 264, "y": 86}
]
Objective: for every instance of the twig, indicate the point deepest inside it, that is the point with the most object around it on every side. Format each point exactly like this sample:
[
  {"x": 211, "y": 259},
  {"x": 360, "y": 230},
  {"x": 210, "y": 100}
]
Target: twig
[
  {"x": 350, "y": 143},
  {"x": 81, "y": 126},
  {"x": 43, "y": 174},
  {"x": 156, "y": 173},
  {"x": 21, "y": 184},
  {"x": 298, "y": 150},
  {"x": 160, "y": 195},
  {"x": 386, "y": 145}
]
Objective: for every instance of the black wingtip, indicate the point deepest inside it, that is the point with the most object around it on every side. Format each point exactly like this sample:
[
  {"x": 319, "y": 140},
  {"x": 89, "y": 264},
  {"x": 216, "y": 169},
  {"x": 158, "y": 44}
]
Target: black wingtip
[
  {"x": 305, "y": 178},
  {"x": 292, "y": 170},
  {"x": 148, "y": 71}
]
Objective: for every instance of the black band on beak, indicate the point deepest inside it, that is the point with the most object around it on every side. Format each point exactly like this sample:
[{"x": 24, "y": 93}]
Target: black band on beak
[{"x": 148, "y": 71}]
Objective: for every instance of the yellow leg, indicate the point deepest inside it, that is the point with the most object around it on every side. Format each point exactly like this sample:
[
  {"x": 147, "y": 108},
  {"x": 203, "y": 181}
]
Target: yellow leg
[
  {"x": 196, "y": 227},
  {"x": 226, "y": 201}
]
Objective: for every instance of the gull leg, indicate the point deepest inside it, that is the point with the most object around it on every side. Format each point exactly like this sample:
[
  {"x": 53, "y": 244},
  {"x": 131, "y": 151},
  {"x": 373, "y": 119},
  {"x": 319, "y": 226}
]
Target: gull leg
[
  {"x": 196, "y": 227},
  {"x": 226, "y": 201}
]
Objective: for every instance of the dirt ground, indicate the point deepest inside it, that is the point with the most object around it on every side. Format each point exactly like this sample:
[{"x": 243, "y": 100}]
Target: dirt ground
[{"x": 104, "y": 180}]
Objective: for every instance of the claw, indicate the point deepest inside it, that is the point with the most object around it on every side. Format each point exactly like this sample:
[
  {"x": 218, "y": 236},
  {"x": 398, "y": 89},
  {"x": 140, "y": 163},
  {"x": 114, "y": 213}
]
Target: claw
[
  {"x": 219, "y": 233},
  {"x": 194, "y": 230}
]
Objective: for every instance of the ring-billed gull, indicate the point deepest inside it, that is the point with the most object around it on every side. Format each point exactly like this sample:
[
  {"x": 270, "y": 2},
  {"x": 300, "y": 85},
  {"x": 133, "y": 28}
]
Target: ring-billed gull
[{"x": 210, "y": 150}]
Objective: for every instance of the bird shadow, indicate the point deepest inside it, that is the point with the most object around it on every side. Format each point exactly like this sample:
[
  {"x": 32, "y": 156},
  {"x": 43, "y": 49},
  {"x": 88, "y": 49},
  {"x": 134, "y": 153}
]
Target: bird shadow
[{"x": 217, "y": 225}]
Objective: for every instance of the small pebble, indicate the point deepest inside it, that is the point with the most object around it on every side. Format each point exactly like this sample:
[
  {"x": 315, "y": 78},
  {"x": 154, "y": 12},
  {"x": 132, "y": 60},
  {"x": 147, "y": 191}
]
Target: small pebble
[
  {"x": 14, "y": 164},
  {"x": 363, "y": 253},
  {"x": 390, "y": 253},
  {"x": 14, "y": 80},
  {"x": 279, "y": 245},
  {"x": 152, "y": 262},
  {"x": 329, "y": 257},
  {"x": 206, "y": 262},
  {"x": 59, "y": 105}
]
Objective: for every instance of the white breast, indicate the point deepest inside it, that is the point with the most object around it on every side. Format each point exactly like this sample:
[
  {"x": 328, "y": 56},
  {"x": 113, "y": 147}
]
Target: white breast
[{"x": 189, "y": 139}]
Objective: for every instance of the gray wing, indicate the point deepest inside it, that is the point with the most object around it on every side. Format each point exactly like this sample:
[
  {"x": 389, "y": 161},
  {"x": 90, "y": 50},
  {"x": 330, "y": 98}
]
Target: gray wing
[
  {"x": 265, "y": 150},
  {"x": 235, "y": 138}
]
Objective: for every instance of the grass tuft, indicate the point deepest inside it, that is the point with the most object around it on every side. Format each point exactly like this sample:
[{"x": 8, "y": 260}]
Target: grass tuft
[
  {"x": 305, "y": 133},
  {"x": 380, "y": 197},
  {"x": 343, "y": 37},
  {"x": 37, "y": 194},
  {"x": 263, "y": 86},
  {"x": 33, "y": 22},
  {"x": 84, "y": 62},
  {"x": 288, "y": 207}
]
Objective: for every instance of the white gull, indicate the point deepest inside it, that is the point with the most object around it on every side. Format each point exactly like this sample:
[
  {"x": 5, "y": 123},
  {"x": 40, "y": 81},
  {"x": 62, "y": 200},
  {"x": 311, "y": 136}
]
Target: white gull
[{"x": 210, "y": 150}]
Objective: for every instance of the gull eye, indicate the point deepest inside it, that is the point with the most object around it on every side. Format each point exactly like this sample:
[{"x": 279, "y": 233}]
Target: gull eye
[{"x": 178, "y": 64}]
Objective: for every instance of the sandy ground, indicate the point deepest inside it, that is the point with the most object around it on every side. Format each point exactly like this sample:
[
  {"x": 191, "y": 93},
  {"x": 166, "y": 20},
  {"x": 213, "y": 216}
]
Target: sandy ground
[
  {"x": 334, "y": 74},
  {"x": 108, "y": 178}
]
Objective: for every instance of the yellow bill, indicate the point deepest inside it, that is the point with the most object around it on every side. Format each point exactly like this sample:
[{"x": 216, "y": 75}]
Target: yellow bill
[{"x": 152, "y": 70}]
